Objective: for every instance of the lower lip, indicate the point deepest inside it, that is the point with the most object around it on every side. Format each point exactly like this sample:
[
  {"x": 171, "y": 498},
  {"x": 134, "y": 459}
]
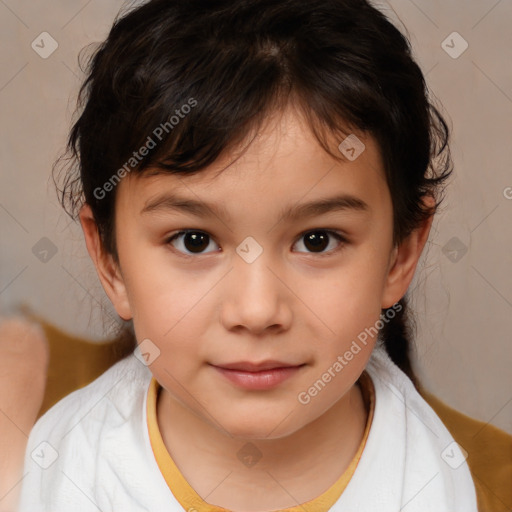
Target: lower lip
[{"x": 265, "y": 379}]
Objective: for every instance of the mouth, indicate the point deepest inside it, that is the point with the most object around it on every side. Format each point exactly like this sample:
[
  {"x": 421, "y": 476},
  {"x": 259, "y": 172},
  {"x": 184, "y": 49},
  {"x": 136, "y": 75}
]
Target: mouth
[
  {"x": 258, "y": 376},
  {"x": 246, "y": 366}
]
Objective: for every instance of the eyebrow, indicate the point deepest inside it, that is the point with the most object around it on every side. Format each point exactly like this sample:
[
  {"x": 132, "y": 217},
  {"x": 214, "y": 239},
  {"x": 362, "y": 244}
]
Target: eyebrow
[{"x": 172, "y": 202}]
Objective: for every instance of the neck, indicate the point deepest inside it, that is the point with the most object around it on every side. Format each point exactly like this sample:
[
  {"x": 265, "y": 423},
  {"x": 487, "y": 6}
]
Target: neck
[{"x": 289, "y": 470}]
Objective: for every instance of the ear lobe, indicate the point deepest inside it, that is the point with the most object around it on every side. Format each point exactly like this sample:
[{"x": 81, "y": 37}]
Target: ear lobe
[
  {"x": 108, "y": 271},
  {"x": 404, "y": 259}
]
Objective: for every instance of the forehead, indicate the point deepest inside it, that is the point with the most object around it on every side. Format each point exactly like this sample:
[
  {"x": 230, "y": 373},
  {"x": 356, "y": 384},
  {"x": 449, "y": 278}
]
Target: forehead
[{"x": 283, "y": 165}]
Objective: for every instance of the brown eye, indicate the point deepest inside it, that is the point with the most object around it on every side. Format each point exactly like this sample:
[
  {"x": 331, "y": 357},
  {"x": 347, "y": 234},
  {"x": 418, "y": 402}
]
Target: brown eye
[
  {"x": 191, "y": 242},
  {"x": 317, "y": 241}
]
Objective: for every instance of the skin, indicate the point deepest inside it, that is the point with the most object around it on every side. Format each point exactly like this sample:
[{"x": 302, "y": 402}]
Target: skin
[
  {"x": 24, "y": 356},
  {"x": 291, "y": 304}
]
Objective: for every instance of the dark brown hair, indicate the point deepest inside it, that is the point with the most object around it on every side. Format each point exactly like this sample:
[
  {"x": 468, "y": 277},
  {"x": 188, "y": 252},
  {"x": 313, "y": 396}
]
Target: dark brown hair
[{"x": 342, "y": 62}]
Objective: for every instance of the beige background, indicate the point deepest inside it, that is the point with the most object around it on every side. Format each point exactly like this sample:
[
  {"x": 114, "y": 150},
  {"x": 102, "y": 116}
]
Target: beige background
[{"x": 464, "y": 307}]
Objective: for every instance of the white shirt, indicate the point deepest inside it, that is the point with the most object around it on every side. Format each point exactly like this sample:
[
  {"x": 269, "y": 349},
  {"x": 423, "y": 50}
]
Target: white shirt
[{"x": 92, "y": 452}]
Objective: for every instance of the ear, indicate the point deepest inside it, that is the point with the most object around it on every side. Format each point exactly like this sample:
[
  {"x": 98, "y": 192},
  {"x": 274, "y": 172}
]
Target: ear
[
  {"x": 108, "y": 271},
  {"x": 404, "y": 259}
]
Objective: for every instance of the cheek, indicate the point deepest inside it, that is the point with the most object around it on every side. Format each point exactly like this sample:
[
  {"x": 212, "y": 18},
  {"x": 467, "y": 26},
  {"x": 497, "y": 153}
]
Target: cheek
[
  {"x": 172, "y": 324},
  {"x": 349, "y": 307},
  {"x": 346, "y": 300},
  {"x": 162, "y": 297}
]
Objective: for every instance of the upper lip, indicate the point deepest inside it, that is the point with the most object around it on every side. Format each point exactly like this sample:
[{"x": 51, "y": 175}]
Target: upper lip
[{"x": 247, "y": 366}]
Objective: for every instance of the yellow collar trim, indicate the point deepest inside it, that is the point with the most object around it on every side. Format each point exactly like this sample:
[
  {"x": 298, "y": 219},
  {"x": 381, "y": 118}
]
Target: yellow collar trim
[{"x": 190, "y": 500}]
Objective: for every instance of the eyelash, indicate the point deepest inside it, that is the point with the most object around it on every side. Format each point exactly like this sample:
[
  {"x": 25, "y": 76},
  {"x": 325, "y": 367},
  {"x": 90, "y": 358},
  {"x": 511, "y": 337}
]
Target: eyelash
[{"x": 336, "y": 234}]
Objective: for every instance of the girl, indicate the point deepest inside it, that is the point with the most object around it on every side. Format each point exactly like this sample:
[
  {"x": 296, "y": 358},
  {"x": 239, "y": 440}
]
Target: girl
[{"x": 256, "y": 182}]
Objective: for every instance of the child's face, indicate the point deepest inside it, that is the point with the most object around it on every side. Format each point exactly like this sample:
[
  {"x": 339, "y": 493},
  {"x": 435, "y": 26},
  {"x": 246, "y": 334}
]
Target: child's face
[{"x": 203, "y": 304}]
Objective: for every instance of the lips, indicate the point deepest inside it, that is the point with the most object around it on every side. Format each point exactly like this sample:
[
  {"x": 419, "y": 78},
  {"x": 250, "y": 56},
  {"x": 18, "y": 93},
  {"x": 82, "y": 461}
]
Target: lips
[
  {"x": 246, "y": 366},
  {"x": 258, "y": 376}
]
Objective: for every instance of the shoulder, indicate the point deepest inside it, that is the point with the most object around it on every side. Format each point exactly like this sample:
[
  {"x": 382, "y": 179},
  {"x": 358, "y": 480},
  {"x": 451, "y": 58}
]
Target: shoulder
[
  {"x": 407, "y": 430},
  {"x": 489, "y": 453},
  {"x": 63, "y": 453},
  {"x": 112, "y": 393}
]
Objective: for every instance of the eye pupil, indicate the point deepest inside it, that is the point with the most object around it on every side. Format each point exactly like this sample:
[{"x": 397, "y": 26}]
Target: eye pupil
[
  {"x": 195, "y": 241},
  {"x": 316, "y": 240}
]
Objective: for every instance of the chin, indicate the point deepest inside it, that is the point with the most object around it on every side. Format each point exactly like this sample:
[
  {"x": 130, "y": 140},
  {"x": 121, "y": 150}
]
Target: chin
[{"x": 264, "y": 426}]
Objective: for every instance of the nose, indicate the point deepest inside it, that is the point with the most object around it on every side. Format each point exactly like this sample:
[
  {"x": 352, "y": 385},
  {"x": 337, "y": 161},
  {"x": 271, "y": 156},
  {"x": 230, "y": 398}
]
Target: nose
[{"x": 255, "y": 298}]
